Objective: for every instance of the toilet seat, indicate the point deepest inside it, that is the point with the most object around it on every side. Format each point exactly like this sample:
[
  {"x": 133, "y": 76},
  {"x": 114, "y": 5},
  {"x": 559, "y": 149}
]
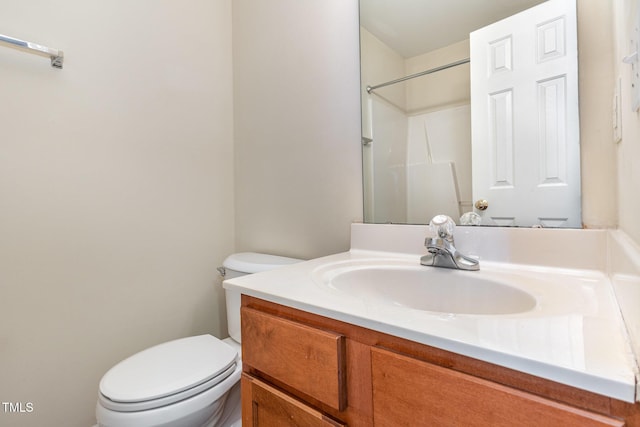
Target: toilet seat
[{"x": 167, "y": 373}]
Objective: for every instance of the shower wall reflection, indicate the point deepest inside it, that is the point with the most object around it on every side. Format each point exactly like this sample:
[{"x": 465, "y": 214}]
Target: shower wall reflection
[{"x": 419, "y": 161}]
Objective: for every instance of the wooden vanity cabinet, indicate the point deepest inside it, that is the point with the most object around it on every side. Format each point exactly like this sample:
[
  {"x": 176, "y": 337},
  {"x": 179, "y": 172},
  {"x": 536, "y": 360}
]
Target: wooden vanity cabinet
[
  {"x": 271, "y": 407},
  {"x": 300, "y": 369},
  {"x": 427, "y": 394},
  {"x": 308, "y": 359}
]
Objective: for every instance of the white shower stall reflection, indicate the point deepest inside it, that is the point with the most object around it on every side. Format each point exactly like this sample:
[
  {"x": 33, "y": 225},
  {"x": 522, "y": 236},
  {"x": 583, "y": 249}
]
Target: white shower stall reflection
[{"x": 417, "y": 165}]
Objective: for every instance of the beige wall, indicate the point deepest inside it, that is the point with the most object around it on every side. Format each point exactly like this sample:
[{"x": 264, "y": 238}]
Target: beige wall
[
  {"x": 297, "y": 125},
  {"x": 116, "y": 198},
  {"x": 444, "y": 89},
  {"x": 628, "y": 150},
  {"x": 379, "y": 64},
  {"x": 610, "y": 172},
  {"x": 596, "y": 80}
]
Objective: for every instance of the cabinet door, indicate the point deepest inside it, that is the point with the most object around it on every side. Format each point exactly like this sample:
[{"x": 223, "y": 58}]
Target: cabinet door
[
  {"x": 307, "y": 359},
  {"x": 272, "y": 408},
  {"x": 410, "y": 392}
]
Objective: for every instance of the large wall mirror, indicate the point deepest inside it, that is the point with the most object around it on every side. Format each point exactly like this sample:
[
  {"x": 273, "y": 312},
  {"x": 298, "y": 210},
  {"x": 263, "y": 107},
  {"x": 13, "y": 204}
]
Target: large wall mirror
[{"x": 470, "y": 109}]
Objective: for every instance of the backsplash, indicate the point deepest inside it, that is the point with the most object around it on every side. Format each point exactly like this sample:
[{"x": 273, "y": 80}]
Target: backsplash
[{"x": 558, "y": 248}]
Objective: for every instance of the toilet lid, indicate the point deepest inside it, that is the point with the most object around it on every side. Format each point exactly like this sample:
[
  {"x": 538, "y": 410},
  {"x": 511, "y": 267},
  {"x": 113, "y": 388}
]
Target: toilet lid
[
  {"x": 168, "y": 368},
  {"x": 253, "y": 262}
]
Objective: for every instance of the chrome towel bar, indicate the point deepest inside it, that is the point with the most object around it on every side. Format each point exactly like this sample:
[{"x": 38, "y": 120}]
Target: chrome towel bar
[{"x": 56, "y": 56}]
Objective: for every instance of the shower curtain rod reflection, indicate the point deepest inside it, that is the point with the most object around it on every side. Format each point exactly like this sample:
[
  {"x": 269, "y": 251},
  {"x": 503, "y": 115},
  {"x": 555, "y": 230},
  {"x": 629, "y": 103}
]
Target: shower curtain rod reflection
[{"x": 422, "y": 73}]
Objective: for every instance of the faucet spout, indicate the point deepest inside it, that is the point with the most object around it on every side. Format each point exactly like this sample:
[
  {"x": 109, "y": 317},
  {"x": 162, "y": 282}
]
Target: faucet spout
[{"x": 441, "y": 247}]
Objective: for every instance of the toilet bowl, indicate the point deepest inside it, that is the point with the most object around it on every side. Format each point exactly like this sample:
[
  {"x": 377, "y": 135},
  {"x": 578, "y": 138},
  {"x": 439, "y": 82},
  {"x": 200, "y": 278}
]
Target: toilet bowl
[{"x": 188, "y": 382}]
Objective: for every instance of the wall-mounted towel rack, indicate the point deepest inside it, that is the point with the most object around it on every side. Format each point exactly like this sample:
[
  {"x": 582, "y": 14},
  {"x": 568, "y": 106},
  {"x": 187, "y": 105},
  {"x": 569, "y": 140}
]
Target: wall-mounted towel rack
[
  {"x": 421, "y": 73},
  {"x": 56, "y": 56}
]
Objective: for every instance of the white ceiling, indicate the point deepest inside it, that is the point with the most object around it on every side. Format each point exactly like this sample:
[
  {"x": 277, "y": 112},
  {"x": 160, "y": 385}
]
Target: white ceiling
[{"x": 412, "y": 27}]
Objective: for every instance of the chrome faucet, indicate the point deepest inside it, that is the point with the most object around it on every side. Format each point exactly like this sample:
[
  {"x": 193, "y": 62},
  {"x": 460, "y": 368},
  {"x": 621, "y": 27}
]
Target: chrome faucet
[{"x": 442, "y": 252}]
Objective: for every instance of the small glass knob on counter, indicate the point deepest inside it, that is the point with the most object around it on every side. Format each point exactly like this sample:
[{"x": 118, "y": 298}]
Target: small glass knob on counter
[{"x": 470, "y": 218}]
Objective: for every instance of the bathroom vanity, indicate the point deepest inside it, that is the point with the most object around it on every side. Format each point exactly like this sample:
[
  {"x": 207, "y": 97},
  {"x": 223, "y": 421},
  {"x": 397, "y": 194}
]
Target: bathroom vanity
[
  {"x": 308, "y": 370},
  {"x": 315, "y": 354}
]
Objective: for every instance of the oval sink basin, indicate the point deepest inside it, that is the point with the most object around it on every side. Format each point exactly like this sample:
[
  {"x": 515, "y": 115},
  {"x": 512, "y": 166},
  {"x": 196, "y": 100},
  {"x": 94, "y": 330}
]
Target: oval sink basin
[{"x": 427, "y": 288}]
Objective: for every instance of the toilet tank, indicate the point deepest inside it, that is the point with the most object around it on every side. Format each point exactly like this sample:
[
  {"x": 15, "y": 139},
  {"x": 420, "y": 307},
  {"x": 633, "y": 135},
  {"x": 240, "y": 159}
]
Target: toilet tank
[{"x": 241, "y": 264}]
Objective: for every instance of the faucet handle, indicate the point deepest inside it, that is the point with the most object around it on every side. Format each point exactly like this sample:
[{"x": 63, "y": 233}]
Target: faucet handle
[{"x": 442, "y": 226}]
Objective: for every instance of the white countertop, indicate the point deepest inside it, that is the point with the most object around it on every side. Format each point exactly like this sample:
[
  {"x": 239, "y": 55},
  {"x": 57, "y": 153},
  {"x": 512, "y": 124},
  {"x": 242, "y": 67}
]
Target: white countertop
[{"x": 575, "y": 335}]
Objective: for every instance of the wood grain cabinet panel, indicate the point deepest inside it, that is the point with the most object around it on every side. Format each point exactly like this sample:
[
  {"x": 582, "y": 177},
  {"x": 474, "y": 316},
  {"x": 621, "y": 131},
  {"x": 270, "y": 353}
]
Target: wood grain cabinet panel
[
  {"x": 271, "y": 407},
  {"x": 411, "y": 392},
  {"x": 308, "y": 359}
]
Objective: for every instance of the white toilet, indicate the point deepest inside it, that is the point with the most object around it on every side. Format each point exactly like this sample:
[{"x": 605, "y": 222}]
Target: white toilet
[{"x": 189, "y": 382}]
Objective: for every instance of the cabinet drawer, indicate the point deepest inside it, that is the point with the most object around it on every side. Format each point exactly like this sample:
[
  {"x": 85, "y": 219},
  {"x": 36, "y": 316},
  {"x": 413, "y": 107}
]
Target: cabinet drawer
[
  {"x": 408, "y": 391},
  {"x": 271, "y": 407},
  {"x": 310, "y": 360}
]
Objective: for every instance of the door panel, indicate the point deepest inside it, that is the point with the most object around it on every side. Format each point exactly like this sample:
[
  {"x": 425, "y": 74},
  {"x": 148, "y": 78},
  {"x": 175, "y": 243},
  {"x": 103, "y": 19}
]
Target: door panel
[{"x": 525, "y": 118}]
